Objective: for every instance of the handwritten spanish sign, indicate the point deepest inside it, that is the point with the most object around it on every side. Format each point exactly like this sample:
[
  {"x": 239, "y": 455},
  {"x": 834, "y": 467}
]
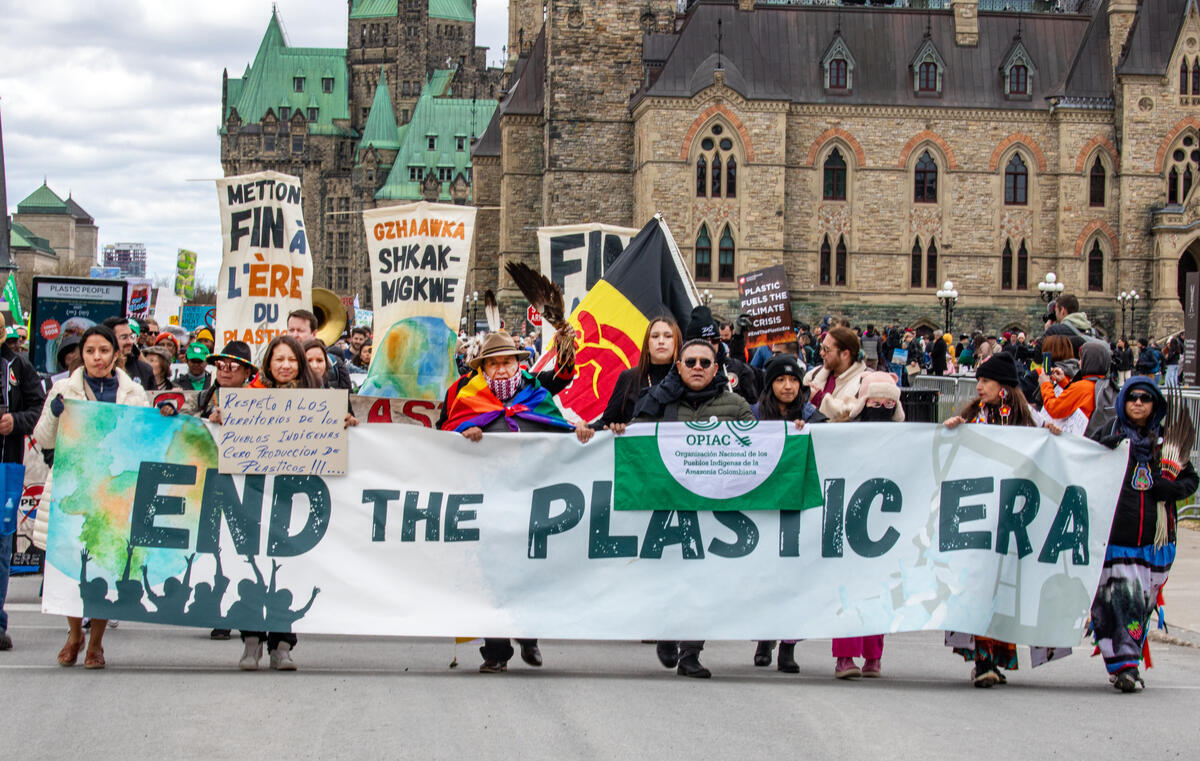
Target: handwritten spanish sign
[
  {"x": 266, "y": 271},
  {"x": 764, "y": 296},
  {"x": 268, "y": 431}
]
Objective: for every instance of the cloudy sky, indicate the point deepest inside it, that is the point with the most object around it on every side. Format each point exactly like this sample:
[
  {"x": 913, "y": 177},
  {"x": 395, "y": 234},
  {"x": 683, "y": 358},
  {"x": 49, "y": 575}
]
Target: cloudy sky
[{"x": 118, "y": 102}]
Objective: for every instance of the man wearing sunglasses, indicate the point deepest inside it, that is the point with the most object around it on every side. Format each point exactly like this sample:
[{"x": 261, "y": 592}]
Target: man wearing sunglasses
[
  {"x": 835, "y": 382},
  {"x": 695, "y": 389}
]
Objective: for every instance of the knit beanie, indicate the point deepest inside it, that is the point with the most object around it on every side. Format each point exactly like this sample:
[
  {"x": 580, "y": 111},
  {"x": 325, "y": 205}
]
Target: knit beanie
[
  {"x": 1000, "y": 367},
  {"x": 701, "y": 325},
  {"x": 879, "y": 387},
  {"x": 783, "y": 364}
]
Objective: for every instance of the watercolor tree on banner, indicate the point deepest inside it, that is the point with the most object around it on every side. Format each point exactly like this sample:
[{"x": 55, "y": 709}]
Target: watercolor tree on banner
[{"x": 419, "y": 255}]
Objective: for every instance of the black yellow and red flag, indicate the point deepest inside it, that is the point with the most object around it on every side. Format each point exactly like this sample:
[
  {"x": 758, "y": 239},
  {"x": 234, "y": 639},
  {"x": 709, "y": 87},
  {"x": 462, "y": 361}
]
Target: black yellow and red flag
[{"x": 647, "y": 279}]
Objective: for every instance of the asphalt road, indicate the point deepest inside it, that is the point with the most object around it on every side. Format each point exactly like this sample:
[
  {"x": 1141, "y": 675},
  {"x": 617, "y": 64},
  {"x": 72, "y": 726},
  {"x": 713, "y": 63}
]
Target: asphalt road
[{"x": 171, "y": 693}]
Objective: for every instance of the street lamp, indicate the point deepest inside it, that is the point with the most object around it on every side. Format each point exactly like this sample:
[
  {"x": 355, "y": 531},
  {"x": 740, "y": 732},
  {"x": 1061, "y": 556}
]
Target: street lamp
[
  {"x": 474, "y": 307},
  {"x": 1050, "y": 288},
  {"x": 948, "y": 297},
  {"x": 706, "y": 297},
  {"x": 1134, "y": 298},
  {"x": 1125, "y": 299}
]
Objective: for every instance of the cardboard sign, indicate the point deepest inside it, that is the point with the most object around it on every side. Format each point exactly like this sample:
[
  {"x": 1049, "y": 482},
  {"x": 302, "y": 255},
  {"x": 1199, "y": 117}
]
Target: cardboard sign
[
  {"x": 764, "y": 296},
  {"x": 270, "y": 431}
]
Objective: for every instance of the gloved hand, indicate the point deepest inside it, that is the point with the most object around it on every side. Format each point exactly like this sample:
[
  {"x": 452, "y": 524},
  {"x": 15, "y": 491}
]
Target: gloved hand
[{"x": 57, "y": 406}]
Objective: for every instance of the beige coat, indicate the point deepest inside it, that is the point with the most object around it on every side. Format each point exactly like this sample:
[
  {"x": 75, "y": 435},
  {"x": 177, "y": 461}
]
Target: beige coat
[
  {"x": 839, "y": 405},
  {"x": 46, "y": 430}
]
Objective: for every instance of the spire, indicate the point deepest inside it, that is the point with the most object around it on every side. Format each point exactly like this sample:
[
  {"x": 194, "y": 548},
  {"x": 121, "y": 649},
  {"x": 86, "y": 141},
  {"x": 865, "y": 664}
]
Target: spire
[
  {"x": 273, "y": 38},
  {"x": 720, "y": 36},
  {"x": 380, "y": 129}
]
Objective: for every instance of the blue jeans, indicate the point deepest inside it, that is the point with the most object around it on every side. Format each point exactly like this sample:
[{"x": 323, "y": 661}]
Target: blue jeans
[
  {"x": 1172, "y": 376},
  {"x": 6, "y": 550}
]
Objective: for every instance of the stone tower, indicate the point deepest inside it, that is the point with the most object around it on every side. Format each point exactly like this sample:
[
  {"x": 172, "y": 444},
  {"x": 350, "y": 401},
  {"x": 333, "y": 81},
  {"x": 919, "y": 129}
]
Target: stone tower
[{"x": 524, "y": 23}]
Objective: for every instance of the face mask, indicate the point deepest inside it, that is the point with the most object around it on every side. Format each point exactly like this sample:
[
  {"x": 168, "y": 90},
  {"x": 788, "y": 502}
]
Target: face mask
[
  {"x": 505, "y": 389},
  {"x": 876, "y": 414}
]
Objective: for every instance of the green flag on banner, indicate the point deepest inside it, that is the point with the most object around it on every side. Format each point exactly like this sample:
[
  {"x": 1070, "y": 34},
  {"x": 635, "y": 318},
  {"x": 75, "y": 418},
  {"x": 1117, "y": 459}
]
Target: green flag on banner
[{"x": 13, "y": 298}]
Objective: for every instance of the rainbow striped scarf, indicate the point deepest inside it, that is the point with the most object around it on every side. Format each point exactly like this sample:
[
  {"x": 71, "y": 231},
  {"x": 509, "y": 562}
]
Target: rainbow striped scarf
[{"x": 476, "y": 405}]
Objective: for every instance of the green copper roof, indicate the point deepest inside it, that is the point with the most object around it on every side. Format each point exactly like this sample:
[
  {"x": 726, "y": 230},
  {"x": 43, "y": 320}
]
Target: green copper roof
[
  {"x": 374, "y": 9},
  {"x": 439, "y": 83},
  {"x": 380, "y": 130},
  {"x": 43, "y": 201},
  {"x": 452, "y": 10},
  {"x": 446, "y": 120},
  {"x": 270, "y": 83},
  {"x": 22, "y": 237}
]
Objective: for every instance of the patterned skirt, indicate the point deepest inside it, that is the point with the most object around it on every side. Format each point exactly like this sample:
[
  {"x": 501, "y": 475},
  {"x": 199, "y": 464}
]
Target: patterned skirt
[{"x": 1125, "y": 600}]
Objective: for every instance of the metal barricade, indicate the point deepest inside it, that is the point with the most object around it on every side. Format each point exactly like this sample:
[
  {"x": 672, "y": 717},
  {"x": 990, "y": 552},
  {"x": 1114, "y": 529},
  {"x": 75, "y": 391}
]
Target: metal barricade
[{"x": 953, "y": 391}]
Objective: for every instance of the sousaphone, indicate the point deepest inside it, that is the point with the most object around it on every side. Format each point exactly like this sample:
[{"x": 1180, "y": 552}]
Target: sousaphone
[{"x": 331, "y": 315}]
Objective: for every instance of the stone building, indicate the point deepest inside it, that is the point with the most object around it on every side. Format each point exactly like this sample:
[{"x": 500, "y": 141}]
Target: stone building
[
  {"x": 56, "y": 228},
  {"x": 875, "y": 152},
  {"x": 389, "y": 118}
]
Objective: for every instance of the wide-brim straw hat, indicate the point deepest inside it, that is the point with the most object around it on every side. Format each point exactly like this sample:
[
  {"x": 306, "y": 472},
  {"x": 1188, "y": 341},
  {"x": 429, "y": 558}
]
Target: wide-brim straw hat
[{"x": 497, "y": 344}]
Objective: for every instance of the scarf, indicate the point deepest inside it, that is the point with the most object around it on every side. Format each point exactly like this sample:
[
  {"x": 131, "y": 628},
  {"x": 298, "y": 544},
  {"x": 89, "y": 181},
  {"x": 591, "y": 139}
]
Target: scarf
[
  {"x": 671, "y": 390},
  {"x": 476, "y": 404}
]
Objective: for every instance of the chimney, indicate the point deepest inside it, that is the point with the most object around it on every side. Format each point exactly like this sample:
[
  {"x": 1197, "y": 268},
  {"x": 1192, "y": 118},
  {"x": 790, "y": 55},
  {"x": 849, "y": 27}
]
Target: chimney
[
  {"x": 1120, "y": 19},
  {"x": 966, "y": 22}
]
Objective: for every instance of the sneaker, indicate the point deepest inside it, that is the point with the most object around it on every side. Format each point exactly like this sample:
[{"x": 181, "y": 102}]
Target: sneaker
[
  {"x": 493, "y": 667},
  {"x": 5, "y": 641},
  {"x": 281, "y": 658},
  {"x": 845, "y": 668},
  {"x": 251, "y": 654},
  {"x": 221, "y": 634},
  {"x": 872, "y": 669},
  {"x": 1128, "y": 680},
  {"x": 113, "y": 623}
]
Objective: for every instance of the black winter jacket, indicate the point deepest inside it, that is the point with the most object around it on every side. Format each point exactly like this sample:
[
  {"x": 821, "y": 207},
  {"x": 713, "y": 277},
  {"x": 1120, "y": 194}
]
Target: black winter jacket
[
  {"x": 1135, "y": 520},
  {"x": 26, "y": 395}
]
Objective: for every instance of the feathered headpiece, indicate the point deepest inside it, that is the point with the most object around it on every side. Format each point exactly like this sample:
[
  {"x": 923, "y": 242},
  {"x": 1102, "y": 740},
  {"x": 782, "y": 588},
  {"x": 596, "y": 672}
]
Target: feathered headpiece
[
  {"x": 1179, "y": 434},
  {"x": 546, "y": 297}
]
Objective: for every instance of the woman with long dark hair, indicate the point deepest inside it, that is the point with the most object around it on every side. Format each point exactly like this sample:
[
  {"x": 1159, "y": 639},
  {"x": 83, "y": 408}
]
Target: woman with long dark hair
[
  {"x": 99, "y": 379},
  {"x": 1141, "y": 544},
  {"x": 660, "y": 349},
  {"x": 784, "y": 397},
  {"x": 999, "y": 401}
]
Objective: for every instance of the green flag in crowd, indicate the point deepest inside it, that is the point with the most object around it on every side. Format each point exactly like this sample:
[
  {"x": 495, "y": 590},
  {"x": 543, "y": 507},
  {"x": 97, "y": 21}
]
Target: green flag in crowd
[{"x": 13, "y": 298}]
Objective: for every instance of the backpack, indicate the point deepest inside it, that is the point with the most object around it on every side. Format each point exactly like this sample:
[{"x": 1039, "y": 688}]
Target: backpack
[{"x": 1105, "y": 411}]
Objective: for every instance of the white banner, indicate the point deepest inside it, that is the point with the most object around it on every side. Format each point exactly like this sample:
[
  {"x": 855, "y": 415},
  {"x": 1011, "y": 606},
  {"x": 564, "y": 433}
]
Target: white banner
[
  {"x": 993, "y": 531},
  {"x": 419, "y": 254},
  {"x": 266, "y": 270}
]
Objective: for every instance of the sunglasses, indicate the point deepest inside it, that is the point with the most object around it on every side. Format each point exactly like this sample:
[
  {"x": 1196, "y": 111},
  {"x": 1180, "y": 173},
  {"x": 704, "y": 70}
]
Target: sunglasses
[
  {"x": 226, "y": 365},
  {"x": 704, "y": 362},
  {"x": 1144, "y": 398}
]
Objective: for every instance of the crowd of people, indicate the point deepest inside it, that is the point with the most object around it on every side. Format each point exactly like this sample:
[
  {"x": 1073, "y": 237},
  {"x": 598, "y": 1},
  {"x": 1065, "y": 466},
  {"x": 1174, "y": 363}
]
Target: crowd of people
[{"x": 1066, "y": 380}]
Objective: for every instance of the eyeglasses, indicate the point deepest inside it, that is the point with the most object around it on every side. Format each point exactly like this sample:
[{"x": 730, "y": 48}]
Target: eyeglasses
[
  {"x": 704, "y": 362},
  {"x": 1143, "y": 398},
  {"x": 226, "y": 366}
]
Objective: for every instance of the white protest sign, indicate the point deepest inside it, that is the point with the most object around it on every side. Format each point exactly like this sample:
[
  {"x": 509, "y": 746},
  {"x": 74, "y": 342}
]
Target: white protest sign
[
  {"x": 266, "y": 271},
  {"x": 418, "y": 255},
  {"x": 272, "y": 431}
]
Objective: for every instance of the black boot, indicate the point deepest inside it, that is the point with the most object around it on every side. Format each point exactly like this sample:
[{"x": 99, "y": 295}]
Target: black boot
[
  {"x": 689, "y": 665},
  {"x": 668, "y": 653},
  {"x": 762, "y": 653},
  {"x": 787, "y": 658}
]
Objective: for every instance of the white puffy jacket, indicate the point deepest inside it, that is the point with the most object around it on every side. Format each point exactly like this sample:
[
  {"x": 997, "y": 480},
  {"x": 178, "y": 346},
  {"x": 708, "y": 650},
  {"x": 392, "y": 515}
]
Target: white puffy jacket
[{"x": 46, "y": 430}]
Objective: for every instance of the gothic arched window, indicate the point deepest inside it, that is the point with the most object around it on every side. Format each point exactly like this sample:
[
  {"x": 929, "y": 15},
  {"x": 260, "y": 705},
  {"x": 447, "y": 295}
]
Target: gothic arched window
[
  {"x": 1096, "y": 183},
  {"x": 1016, "y": 182},
  {"x": 826, "y": 255},
  {"x": 716, "y": 166},
  {"x": 925, "y": 180},
  {"x": 1095, "y": 267},
  {"x": 1006, "y": 267},
  {"x": 834, "y": 186},
  {"x": 703, "y": 255},
  {"x": 725, "y": 257}
]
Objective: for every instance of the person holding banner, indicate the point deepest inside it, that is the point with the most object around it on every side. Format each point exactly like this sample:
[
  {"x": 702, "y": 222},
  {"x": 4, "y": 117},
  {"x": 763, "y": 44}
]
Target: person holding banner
[
  {"x": 660, "y": 349},
  {"x": 1141, "y": 544},
  {"x": 784, "y": 397},
  {"x": 501, "y": 396},
  {"x": 21, "y": 400},
  {"x": 100, "y": 379},
  {"x": 695, "y": 389},
  {"x": 999, "y": 401}
]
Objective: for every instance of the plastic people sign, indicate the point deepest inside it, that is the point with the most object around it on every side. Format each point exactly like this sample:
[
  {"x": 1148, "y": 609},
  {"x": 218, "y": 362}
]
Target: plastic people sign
[
  {"x": 418, "y": 255},
  {"x": 990, "y": 530},
  {"x": 65, "y": 306},
  {"x": 266, "y": 271}
]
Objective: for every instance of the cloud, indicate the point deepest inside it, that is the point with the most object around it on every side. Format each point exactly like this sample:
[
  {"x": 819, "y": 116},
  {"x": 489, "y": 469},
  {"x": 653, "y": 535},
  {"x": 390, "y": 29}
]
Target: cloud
[{"x": 117, "y": 102}]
